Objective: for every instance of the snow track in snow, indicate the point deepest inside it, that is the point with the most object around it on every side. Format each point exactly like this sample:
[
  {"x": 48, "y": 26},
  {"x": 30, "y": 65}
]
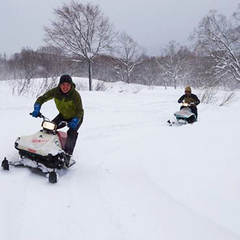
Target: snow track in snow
[{"x": 133, "y": 178}]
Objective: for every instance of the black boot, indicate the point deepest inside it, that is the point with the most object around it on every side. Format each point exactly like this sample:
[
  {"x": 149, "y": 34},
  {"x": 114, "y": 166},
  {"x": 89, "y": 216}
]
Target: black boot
[{"x": 67, "y": 159}]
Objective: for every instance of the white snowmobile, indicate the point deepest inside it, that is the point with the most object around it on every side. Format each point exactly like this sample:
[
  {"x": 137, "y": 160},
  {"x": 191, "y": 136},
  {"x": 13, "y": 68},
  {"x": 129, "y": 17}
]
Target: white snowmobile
[
  {"x": 184, "y": 115},
  {"x": 43, "y": 150}
]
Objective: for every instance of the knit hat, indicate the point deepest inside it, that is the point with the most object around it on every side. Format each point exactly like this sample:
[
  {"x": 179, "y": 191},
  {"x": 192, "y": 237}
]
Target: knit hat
[
  {"x": 65, "y": 79},
  {"x": 188, "y": 89}
]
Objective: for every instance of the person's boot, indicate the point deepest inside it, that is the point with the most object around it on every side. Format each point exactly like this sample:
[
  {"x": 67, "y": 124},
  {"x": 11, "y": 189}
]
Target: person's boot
[{"x": 67, "y": 159}]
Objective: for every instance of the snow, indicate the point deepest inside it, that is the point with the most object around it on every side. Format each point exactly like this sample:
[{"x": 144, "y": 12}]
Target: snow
[{"x": 136, "y": 178}]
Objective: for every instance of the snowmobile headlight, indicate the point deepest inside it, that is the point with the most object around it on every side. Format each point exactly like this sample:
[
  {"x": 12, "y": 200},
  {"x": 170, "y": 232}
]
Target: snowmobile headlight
[
  {"x": 185, "y": 104},
  {"x": 49, "y": 125}
]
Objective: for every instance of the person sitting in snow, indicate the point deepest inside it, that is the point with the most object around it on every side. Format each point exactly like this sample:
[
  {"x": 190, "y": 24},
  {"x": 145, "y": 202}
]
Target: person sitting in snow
[
  {"x": 191, "y": 99},
  {"x": 69, "y": 104}
]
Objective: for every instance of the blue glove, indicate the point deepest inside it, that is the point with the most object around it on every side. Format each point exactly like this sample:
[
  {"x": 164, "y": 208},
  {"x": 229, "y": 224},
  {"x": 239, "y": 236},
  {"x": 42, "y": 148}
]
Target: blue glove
[
  {"x": 73, "y": 123},
  {"x": 36, "y": 111}
]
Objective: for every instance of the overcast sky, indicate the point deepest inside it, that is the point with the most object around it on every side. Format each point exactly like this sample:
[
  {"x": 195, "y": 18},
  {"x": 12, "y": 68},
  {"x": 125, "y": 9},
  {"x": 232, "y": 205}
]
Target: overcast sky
[{"x": 152, "y": 23}]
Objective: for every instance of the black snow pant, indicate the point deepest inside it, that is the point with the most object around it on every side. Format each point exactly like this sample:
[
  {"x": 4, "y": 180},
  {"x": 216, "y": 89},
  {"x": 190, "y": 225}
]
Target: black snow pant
[{"x": 72, "y": 134}]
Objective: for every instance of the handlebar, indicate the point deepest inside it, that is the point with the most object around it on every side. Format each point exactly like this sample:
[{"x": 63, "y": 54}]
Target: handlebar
[
  {"x": 62, "y": 124},
  {"x": 187, "y": 104},
  {"x": 40, "y": 115}
]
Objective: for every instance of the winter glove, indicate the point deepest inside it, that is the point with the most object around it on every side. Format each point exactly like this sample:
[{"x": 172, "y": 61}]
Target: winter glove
[
  {"x": 36, "y": 110},
  {"x": 73, "y": 123}
]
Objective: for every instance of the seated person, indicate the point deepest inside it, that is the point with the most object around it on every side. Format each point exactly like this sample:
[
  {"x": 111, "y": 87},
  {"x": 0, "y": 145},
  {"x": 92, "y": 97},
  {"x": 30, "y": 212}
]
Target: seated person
[{"x": 191, "y": 99}]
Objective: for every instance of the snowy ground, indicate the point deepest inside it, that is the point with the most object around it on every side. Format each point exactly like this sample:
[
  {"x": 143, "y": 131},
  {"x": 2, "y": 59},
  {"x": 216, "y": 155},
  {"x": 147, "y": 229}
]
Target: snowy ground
[{"x": 136, "y": 178}]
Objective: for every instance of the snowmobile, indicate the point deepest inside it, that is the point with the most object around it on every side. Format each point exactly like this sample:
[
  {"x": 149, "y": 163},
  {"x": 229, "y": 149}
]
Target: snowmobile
[
  {"x": 43, "y": 150},
  {"x": 184, "y": 115}
]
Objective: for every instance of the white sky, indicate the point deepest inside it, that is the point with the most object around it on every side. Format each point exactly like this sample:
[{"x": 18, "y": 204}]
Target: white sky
[{"x": 152, "y": 23}]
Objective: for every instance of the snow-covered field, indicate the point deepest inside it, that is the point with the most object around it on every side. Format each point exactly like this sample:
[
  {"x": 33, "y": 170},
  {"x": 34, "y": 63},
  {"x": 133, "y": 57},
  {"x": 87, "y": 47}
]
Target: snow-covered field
[{"x": 136, "y": 178}]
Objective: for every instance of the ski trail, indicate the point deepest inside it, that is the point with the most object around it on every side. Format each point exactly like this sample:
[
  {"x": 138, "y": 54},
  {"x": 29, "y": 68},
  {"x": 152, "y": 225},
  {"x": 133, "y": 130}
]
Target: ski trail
[
  {"x": 83, "y": 206},
  {"x": 133, "y": 180},
  {"x": 13, "y": 203},
  {"x": 138, "y": 206},
  {"x": 42, "y": 211}
]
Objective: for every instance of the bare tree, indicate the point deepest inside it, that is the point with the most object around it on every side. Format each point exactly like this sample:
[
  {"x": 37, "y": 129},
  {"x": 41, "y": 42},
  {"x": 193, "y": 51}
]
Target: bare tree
[
  {"x": 173, "y": 63},
  {"x": 3, "y": 67},
  {"x": 128, "y": 55},
  {"x": 147, "y": 72},
  {"x": 219, "y": 38},
  {"x": 82, "y": 30},
  {"x": 103, "y": 68},
  {"x": 24, "y": 66},
  {"x": 52, "y": 61},
  {"x": 28, "y": 61},
  {"x": 228, "y": 99}
]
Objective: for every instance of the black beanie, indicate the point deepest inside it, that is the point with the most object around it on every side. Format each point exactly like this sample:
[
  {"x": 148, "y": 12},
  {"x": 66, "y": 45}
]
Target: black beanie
[{"x": 65, "y": 79}]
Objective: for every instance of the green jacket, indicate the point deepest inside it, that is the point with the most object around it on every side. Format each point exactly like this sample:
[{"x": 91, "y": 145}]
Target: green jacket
[{"x": 69, "y": 105}]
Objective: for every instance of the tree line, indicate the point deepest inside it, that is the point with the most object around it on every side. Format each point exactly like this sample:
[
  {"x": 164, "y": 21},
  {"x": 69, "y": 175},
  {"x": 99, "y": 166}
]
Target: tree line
[{"x": 82, "y": 42}]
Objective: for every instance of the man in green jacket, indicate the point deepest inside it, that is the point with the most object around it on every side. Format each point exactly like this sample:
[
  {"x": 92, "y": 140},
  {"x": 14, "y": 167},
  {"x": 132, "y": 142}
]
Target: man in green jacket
[{"x": 69, "y": 104}]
